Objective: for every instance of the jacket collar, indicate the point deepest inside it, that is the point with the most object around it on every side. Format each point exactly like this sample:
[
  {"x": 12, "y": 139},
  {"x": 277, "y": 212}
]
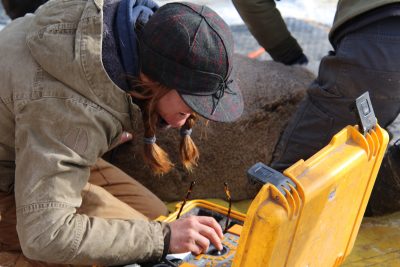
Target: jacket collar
[{"x": 79, "y": 66}]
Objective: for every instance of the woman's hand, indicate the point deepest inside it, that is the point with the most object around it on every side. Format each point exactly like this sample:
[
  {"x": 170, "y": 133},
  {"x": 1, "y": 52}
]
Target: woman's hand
[
  {"x": 194, "y": 234},
  {"x": 125, "y": 137}
]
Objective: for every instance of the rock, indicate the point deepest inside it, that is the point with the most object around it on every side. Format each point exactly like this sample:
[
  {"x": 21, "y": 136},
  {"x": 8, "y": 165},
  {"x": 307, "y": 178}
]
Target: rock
[{"x": 271, "y": 93}]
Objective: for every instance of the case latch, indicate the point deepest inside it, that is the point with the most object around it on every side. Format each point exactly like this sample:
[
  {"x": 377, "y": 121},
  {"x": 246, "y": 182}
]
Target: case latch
[
  {"x": 261, "y": 173},
  {"x": 365, "y": 113}
]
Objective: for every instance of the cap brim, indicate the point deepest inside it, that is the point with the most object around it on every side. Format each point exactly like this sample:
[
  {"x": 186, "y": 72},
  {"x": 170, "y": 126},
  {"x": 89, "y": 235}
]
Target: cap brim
[{"x": 229, "y": 107}]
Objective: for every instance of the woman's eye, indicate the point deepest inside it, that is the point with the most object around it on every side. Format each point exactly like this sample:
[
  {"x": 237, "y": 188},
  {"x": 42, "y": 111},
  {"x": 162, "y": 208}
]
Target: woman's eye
[{"x": 182, "y": 114}]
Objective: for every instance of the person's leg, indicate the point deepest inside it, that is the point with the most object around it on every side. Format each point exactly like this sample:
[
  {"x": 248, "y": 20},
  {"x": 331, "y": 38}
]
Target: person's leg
[
  {"x": 365, "y": 60},
  {"x": 319, "y": 116},
  {"x": 10, "y": 249},
  {"x": 111, "y": 193},
  {"x": 385, "y": 194},
  {"x": 8, "y": 233}
]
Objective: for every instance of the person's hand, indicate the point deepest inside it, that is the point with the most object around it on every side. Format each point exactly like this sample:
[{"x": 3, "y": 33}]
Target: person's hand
[
  {"x": 301, "y": 60},
  {"x": 194, "y": 234},
  {"x": 125, "y": 137}
]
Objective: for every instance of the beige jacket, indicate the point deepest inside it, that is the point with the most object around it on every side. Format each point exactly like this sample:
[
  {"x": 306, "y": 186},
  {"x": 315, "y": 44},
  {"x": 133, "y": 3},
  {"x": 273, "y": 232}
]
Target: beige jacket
[{"x": 59, "y": 112}]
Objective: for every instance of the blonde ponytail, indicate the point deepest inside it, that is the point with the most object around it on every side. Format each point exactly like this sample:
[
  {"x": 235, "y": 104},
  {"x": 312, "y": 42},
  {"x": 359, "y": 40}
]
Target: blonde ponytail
[
  {"x": 188, "y": 150},
  {"x": 154, "y": 156}
]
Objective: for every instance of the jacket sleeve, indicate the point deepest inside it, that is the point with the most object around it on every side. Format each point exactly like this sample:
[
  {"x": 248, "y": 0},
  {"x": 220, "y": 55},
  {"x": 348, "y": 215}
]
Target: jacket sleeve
[
  {"x": 57, "y": 140},
  {"x": 268, "y": 27}
]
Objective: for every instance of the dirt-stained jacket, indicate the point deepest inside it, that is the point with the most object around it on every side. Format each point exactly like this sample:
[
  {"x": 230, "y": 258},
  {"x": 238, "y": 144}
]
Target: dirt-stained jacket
[{"x": 59, "y": 112}]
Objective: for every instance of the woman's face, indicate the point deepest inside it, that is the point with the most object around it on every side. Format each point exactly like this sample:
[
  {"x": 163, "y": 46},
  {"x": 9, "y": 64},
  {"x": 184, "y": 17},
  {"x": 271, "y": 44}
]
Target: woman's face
[{"x": 173, "y": 110}]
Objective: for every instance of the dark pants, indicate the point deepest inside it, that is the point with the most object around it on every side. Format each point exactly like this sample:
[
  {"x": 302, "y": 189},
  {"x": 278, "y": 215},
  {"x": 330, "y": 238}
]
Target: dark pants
[{"x": 367, "y": 59}]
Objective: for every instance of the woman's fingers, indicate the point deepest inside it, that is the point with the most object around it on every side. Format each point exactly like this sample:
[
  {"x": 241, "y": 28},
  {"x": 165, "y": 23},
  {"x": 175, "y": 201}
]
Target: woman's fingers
[
  {"x": 211, "y": 222},
  {"x": 211, "y": 235},
  {"x": 194, "y": 234},
  {"x": 201, "y": 244}
]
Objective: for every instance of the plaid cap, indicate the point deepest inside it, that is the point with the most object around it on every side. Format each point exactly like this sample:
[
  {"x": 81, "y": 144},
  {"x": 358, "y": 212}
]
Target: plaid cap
[{"x": 189, "y": 47}]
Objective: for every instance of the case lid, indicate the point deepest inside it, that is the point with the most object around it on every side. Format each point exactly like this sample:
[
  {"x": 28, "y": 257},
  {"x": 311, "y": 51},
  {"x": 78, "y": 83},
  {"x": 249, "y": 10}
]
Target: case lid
[{"x": 315, "y": 222}]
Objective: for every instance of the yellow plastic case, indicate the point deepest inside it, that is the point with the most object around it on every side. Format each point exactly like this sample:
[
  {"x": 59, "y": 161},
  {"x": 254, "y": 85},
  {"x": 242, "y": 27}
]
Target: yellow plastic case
[
  {"x": 316, "y": 224},
  {"x": 317, "y": 221}
]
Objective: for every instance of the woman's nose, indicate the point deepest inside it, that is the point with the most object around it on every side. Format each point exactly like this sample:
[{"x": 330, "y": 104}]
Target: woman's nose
[{"x": 179, "y": 120}]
